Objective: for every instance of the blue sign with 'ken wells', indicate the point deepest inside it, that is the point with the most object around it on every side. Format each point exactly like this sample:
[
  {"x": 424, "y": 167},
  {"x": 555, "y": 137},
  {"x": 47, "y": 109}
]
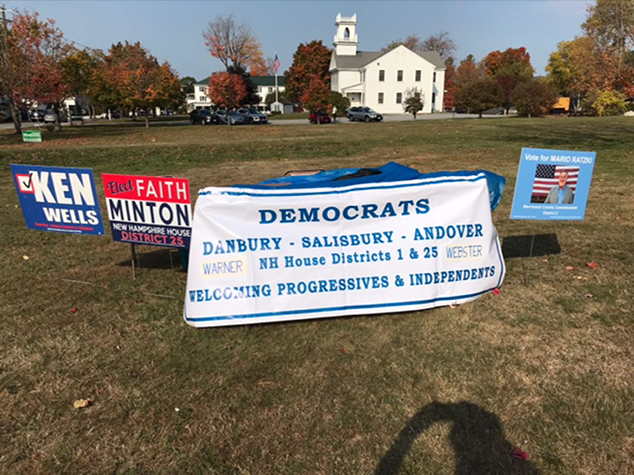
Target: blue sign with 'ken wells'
[
  {"x": 552, "y": 184},
  {"x": 58, "y": 199}
]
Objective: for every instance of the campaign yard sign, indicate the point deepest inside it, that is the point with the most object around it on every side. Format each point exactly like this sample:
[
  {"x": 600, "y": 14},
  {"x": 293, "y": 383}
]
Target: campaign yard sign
[
  {"x": 268, "y": 255},
  {"x": 31, "y": 136},
  {"x": 58, "y": 199},
  {"x": 149, "y": 210},
  {"x": 552, "y": 184}
]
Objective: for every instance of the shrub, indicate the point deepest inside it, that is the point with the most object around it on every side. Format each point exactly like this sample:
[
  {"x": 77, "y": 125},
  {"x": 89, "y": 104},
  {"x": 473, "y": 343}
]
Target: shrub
[{"x": 534, "y": 97}]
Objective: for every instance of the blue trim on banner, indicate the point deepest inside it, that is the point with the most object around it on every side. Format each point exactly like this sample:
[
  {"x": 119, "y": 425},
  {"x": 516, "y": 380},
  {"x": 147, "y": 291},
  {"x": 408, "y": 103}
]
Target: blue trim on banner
[
  {"x": 335, "y": 309},
  {"x": 497, "y": 245},
  {"x": 337, "y": 191}
]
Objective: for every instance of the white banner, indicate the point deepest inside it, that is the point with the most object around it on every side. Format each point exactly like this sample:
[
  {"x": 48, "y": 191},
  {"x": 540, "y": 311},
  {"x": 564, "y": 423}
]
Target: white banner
[{"x": 274, "y": 255}]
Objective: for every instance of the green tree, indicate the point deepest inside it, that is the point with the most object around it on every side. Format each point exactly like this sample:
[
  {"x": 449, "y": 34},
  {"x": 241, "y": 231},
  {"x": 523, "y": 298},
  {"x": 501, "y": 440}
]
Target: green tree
[
  {"x": 80, "y": 69},
  {"x": 609, "y": 103},
  {"x": 338, "y": 100},
  {"x": 310, "y": 61},
  {"x": 187, "y": 84},
  {"x": 414, "y": 101},
  {"x": 478, "y": 95},
  {"x": 534, "y": 97}
]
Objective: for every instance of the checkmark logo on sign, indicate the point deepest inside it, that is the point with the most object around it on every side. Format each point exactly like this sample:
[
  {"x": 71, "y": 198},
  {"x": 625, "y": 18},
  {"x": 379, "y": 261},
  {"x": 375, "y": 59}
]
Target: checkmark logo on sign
[{"x": 25, "y": 183}]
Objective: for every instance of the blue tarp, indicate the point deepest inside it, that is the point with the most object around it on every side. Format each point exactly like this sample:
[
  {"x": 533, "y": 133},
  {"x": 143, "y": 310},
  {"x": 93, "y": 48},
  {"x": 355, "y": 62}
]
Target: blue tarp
[{"x": 389, "y": 172}]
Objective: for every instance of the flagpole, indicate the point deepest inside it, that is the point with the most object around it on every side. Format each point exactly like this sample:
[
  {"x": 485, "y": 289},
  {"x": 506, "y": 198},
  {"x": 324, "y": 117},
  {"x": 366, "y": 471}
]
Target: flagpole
[{"x": 276, "y": 94}]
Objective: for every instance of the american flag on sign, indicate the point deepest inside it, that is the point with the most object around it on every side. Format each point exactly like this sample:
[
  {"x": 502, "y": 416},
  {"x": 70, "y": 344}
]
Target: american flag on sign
[{"x": 547, "y": 176}]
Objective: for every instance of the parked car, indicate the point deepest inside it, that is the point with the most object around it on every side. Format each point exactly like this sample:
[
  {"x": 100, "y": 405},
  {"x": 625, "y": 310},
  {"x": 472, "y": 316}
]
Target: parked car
[
  {"x": 49, "y": 116},
  {"x": 202, "y": 116},
  {"x": 234, "y": 118},
  {"x": 37, "y": 115},
  {"x": 363, "y": 113},
  {"x": 256, "y": 116},
  {"x": 319, "y": 117}
]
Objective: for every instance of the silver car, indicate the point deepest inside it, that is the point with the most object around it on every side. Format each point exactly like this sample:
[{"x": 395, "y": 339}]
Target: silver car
[
  {"x": 363, "y": 113},
  {"x": 257, "y": 116}
]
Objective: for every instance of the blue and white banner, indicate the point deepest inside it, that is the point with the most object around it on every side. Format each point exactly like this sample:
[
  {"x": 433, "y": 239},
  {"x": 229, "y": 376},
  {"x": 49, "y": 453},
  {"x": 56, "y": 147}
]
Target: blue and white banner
[
  {"x": 552, "y": 184},
  {"x": 58, "y": 199},
  {"x": 270, "y": 255}
]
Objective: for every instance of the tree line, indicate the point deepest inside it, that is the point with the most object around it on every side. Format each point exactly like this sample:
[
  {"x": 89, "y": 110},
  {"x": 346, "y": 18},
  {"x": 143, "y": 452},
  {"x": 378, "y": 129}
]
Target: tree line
[{"x": 38, "y": 65}]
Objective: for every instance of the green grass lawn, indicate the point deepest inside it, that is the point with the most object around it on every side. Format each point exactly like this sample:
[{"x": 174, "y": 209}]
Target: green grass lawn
[{"x": 546, "y": 365}]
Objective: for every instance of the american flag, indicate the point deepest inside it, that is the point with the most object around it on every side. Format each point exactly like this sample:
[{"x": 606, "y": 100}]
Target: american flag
[
  {"x": 547, "y": 176},
  {"x": 276, "y": 64}
]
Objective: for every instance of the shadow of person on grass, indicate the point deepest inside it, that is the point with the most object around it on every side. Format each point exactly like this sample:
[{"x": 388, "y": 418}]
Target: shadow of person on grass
[{"x": 477, "y": 437}]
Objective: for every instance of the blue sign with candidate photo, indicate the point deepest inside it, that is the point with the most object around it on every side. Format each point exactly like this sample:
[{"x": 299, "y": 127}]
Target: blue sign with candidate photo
[
  {"x": 552, "y": 184},
  {"x": 58, "y": 199}
]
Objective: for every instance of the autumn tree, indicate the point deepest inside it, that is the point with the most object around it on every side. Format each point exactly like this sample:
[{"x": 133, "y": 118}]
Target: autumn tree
[
  {"x": 478, "y": 95},
  {"x": 412, "y": 42},
  {"x": 414, "y": 101},
  {"x": 610, "y": 24},
  {"x": 442, "y": 43},
  {"x": 80, "y": 69},
  {"x": 509, "y": 68},
  {"x": 575, "y": 70},
  {"x": 310, "y": 61},
  {"x": 227, "y": 91},
  {"x": 14, "y": 68},
  {"x": 468, "y": 70},
  {"x": 135, "y": 80},
  {"x": 316, "y": 95},
  {"x": 31, "y": 70},
  {"x": 450, "y": 85},
  {"x": 234, "y": 44},
  {"x": 252, "y": 97},
  {"x": 534, "y": 97}
]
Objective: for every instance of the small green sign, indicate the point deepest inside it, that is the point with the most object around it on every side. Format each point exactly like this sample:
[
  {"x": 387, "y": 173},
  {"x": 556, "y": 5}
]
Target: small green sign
[{"x": 31, "y": 136}]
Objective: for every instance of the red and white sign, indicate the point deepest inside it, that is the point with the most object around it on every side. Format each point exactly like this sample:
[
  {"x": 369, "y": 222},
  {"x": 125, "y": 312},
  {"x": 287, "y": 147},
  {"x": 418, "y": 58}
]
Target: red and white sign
[{"x": 149, "y": 210}]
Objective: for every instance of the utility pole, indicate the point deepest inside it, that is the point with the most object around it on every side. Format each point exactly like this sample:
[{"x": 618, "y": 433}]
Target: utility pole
[{"x": 6, "y": 73}]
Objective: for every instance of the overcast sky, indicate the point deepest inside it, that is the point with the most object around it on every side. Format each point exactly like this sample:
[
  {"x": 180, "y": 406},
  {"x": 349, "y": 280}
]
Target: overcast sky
[{"x": 172, "y": 30}]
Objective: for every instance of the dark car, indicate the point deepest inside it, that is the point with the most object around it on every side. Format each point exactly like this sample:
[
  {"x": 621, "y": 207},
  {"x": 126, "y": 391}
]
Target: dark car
[
  {"x": 202, "y": 116},
  {"x": 363, "y": 113},
  {"x": 320, "y": 117},
  {"x": 256, "y": 116},
  {"x": 234, "y": 118}
]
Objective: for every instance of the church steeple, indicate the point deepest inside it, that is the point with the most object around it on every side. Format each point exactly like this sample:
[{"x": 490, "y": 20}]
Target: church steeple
[{"x": 346, "y": 38}]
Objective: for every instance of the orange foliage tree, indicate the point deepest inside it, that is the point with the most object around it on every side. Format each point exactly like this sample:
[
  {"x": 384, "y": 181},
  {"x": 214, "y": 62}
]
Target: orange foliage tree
[
  {"x": 31, "y": 64},
  {"x": 234, "y": 44},
  {"x": 226, "y": 90},
  {"x": 137, "y": 80},
  {"x": 509, "y": 68},
  {"x": 311, "y": 60},
  {"x": 316, "y": 95}
]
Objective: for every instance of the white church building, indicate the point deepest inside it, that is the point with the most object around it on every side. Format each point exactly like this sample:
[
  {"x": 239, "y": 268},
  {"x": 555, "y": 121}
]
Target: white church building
[{"x": 380, "y": 79}]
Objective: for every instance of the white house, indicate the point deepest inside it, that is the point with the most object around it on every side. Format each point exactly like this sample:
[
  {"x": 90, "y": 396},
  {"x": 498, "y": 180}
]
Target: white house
[
  {"x": 380, "y": 80},
  {"x": 265, "y": 85}
]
